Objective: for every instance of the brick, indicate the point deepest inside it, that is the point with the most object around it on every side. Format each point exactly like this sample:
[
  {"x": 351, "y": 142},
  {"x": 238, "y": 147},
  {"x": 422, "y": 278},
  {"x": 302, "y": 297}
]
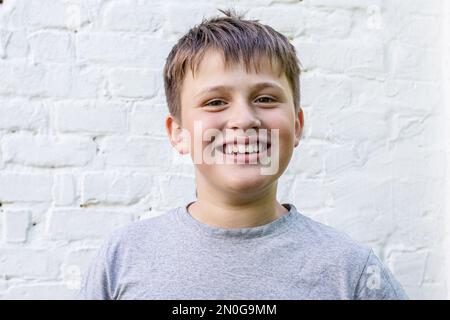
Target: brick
[
  {"x": 3, "y": 287},
  {"x": 132, "y": 15},
  {"x": 4, "y": 37},
  {"x": 148, "y": 118},
  {"x": 411, "y": 62},
  {"x": 2, "y": 163},
  {"x": 279, "y": 21},
  {"x": 421, "y": 191},
  {"x": 347, "y": 4},
  {"x": 123, "y": 50},
  {"x": 321, "y": 129},
  {"x": 412, "y": 94},
  {"x": 15, "y": 225},
  {"x": 48, "y": 151},
  {"x": 174, "y": 189},
  {"x": 44, "y": 13},
  {"x": 116, "y": 187},
  {"x": 84, "y": 13},
  {"x": 307, "y": 158},
  {"x": 339, "y": 159},
  {"x": 21, "y": 79},
  {"x": 316, "y": 196},
  {"x": 134, "y": 83},
  {"x": 369, "y": 95},
  {"x": 359, "y": 189},
  {"x": 79, "y": 258},
  {"x": 51, "y": 46},
  {"x": 371, "y": 162},
  {"x": 15, "y": 44},
  {"x": 61, "y": 81},
  {"x": 352, "y": 57},
  {"x": 338, "y": 91},
  {"x": 15, "y": 186},
  {"x": 81, "y": 224},
  {"x": 91, "y": 116},
  {"x": 135, "y": 152},
  {"x": 76, "y": 264},
  {"x": 146, "y": 214},
  {"x": 409, "y": 267},
  {"x": 408, "y": 124},
  {"x": 41, "y": 291},
  {"x": 10, "y": 18},
  {"x": 176, "y": 13},
  {"x": 284, "y": 190},
  {"x": 35, "y": 79},
  {"x": 361, "y": 126},
  {"x": 430, "y": 8},
  {"x": 22, "y": 114},
  {"x": 27, "y": 263},
  {"x": 329, "y": 24},
  {"x": 370, "y": 23},
  {"x": 420, "y": 31},
  {"x": 64, "y": 189},
  {"x": 86, "y": 82}
]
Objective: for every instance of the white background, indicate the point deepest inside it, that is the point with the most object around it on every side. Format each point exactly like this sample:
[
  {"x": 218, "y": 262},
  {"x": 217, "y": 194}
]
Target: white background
[{"x": 84, "y": 149}]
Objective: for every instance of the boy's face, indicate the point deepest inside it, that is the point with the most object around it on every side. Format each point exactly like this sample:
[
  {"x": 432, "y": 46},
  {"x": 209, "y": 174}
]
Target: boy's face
[{"x": 236, "y": 109}]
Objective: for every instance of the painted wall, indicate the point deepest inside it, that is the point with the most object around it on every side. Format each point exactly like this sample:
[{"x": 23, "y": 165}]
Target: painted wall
[{"x": 83, "y": 148}]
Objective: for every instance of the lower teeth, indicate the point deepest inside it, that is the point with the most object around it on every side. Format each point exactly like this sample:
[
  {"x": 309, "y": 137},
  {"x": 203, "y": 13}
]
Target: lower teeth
[
  {"x": 236, "y": 153},
  {"x": 243, "y": 153}
]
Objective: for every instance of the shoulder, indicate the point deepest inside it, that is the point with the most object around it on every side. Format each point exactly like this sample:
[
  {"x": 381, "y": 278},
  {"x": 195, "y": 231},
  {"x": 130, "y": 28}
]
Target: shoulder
[
  {"x": 335, "y": 250},
  {"x": 122, "y": 247},
  {"x": 331, "y": 254},
  {"x": 137, "y": 232},
  {"x": 329, "y": 241},
  {"x": 378, "y": 282}
]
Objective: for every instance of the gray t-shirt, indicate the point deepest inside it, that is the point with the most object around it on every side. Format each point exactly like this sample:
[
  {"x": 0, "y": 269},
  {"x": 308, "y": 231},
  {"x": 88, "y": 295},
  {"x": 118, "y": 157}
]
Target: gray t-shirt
[{"x": 175, "y": 256}]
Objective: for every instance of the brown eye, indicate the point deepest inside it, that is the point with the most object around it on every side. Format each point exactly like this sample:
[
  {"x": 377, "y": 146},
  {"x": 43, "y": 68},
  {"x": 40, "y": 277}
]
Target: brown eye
[
  {"x": 272, "y": 100},
  {"x": 211, "y": 103}
]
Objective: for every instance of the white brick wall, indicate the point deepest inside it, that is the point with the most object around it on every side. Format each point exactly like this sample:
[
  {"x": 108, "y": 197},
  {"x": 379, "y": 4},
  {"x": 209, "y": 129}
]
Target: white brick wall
[
  {"x": 83, "y": 148},
  {"x": 446, "y": 96}
]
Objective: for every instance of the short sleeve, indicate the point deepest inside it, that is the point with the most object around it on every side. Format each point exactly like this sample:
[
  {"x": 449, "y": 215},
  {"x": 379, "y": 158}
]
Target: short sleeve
[
  {"x": 95, "y": 283},
  {"x": 377, "y": 282}
]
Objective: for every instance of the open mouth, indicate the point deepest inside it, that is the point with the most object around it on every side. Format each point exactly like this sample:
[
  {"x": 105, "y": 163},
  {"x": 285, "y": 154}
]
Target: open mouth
[{"x": 243, "y": 149}]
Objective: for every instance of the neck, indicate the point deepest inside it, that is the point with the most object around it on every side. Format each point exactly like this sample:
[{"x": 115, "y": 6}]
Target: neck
[{"x": 238, "y": 211}]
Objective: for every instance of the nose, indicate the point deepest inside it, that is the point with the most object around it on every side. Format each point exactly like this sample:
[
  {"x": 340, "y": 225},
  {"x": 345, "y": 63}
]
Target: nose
[{"x": 243, "y": 117}]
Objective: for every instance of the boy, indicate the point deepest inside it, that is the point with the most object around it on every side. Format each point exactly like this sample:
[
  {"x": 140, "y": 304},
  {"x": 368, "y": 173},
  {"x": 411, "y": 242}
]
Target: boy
[{"x": 236, "y": 241}]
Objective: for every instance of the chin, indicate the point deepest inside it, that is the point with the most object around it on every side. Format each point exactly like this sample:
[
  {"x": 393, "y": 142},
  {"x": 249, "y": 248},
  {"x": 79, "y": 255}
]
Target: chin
[{"x": 246, "y": 183}]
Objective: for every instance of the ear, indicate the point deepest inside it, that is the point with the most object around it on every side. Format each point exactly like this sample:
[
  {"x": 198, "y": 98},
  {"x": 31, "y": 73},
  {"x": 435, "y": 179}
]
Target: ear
[
  {"x": 177, "y": 135},
  {"x": 299, "y": 122}
]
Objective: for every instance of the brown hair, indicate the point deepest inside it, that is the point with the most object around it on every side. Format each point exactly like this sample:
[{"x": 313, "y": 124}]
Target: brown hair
[{"x": 235, "y": 38}]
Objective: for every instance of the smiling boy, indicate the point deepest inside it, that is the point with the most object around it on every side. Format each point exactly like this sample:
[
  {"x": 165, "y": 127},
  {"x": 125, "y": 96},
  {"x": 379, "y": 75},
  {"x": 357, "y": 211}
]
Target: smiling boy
[{"x": 238, "y": 81}]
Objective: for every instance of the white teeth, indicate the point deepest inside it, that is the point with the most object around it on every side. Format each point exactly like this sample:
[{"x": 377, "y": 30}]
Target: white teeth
[
  {"x": 242, "y": 149},
  {"x": 252, "y": 148},
  {"x": 230, "y": 149}
]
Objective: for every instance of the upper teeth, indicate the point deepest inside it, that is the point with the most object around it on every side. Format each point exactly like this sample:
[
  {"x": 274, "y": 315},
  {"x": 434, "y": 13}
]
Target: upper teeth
[{"x": 241, "y": 148}]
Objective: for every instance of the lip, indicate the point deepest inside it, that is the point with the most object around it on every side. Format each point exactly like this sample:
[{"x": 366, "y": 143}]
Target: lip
[
  {"x": 243, "y": 140},
  {"x": 245, "y": 158}
]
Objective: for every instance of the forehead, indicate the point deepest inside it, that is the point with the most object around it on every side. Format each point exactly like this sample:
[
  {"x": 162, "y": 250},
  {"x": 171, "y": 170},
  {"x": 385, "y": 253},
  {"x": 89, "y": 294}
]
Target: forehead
[{"x": 213, "y": 70}]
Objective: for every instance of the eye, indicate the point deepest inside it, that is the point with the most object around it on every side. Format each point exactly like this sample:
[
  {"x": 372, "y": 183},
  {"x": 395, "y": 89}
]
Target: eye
[
  {"x": 210, "y": 103},
  {"x": 273, "y": 100}
]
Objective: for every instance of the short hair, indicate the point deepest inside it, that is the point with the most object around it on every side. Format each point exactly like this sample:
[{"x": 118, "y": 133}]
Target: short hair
[{"x": 236, "y": 39}]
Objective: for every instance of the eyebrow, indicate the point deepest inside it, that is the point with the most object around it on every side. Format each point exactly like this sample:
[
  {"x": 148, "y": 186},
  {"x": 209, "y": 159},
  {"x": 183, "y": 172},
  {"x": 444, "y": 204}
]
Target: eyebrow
[{"x": 257, "y": 86}]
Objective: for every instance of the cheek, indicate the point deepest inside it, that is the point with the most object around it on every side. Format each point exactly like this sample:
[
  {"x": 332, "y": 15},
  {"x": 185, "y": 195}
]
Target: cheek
[
  {"x": 200, "y": 139},
  {"x": 285, "y": 128}
]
